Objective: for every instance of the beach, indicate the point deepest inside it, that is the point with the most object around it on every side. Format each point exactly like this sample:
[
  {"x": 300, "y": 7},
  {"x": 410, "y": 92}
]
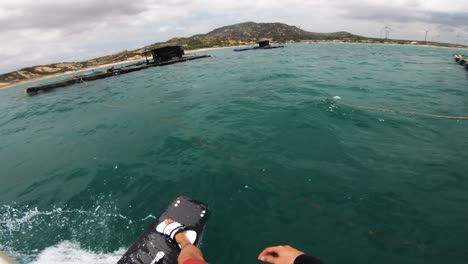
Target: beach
[{"x": 9, "y": 85}]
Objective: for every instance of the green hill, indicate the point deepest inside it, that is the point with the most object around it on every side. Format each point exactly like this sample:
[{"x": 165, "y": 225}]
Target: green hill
[
  {"x": 275, "y": 31},
  {"x": 247, "y": 32}
]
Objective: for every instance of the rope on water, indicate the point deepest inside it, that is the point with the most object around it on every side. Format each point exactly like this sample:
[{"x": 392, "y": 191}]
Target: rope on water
[{"x": 401, "y": 112}]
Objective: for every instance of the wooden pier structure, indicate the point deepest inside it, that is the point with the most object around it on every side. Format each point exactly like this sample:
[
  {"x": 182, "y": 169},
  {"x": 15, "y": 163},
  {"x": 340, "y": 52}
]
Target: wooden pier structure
[
  {"x": 461, "y": 59},
  {"x": 161, "y": 57}
]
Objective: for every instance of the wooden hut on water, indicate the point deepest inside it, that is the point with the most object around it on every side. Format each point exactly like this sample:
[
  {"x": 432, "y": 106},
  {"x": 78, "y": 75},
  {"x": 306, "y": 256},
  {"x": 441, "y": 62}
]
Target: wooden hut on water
[
  {"x": 264, "y": 43},
  {"x": 165, "y": 53}
]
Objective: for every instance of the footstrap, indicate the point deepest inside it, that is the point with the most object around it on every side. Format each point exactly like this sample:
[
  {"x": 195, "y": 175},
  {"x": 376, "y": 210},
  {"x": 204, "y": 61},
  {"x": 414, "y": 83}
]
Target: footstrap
[{"x": 172, "y": 229}]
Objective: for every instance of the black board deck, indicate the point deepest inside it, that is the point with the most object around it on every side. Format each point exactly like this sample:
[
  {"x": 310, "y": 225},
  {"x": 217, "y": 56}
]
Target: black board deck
[{"x": 184, "y": 210}]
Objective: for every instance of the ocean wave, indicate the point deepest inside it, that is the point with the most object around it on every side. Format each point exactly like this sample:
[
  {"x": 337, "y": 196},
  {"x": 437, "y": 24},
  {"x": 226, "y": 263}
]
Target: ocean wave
[
  {"x": 67, "y": 252},
  {"x": 71, "y": 252},
  {"x": 29, "y": 234}
]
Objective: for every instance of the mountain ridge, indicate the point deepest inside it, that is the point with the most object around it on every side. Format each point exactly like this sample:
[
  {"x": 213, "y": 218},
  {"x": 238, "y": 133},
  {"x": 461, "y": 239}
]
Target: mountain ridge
[
  {"x": 231, "y": 35},
  {"x": 244, "y": 33}
]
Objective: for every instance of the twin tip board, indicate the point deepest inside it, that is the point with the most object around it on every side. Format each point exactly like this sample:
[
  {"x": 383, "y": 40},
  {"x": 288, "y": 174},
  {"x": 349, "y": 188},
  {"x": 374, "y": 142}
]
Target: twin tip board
[{"x": 152, "y": 247}]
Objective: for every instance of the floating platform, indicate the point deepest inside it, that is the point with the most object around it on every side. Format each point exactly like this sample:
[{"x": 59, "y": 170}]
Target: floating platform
[
  {"x": 109, "y": 73},
  {"x": 257, "y": 48},
  {"x": 461, "y": 59},
  {"x": 261, "y": 45}
]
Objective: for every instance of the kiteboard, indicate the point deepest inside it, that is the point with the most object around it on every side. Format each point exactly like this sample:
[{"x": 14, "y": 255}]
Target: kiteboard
[{"x": 153, "y": 247}]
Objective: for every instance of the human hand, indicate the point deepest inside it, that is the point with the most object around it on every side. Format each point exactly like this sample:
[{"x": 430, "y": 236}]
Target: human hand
[{"x": 279, "y": 255}]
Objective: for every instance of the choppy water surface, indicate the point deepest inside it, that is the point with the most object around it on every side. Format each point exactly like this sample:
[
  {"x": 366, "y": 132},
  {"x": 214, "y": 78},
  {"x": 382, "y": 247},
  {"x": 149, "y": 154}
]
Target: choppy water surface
[{"x": 258, "y": 136}]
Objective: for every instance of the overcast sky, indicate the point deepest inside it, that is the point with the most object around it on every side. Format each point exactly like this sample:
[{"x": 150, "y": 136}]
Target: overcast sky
[{"x": 36, "y": 32}]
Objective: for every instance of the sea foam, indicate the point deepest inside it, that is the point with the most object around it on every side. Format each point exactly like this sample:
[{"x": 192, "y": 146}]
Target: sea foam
[{"x": 71, "y": 252}]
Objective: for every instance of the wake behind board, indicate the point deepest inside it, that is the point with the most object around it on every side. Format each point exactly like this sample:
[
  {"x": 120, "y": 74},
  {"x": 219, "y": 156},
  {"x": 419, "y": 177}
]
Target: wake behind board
[{"x": 152, "y": 247}]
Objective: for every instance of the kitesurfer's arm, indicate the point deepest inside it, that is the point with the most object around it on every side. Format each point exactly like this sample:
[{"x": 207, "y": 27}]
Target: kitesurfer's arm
[{"x": 286, "y": 255}]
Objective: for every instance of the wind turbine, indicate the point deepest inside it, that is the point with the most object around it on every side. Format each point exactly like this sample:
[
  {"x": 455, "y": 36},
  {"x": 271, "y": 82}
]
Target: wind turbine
[
  {"x": 387, "y": 31},
  {"x": 425, "y": 38}
]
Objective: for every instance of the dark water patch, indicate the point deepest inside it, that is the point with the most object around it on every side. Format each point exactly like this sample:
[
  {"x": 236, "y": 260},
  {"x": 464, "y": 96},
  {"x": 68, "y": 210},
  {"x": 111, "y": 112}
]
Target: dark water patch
[
  {"x": 325, "y": 85},
  {"x": 360, "y": 89},
  {"x": 448, "y": 90},
  {"x": 76, "y": 174},
  {"x": 6, "y": 132},
  {"x": 41, "y": 184}
]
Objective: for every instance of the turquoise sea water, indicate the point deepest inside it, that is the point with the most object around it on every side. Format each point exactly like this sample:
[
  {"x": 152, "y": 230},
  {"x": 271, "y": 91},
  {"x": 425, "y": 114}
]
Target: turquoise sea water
[{"x": 258, "y": 136}]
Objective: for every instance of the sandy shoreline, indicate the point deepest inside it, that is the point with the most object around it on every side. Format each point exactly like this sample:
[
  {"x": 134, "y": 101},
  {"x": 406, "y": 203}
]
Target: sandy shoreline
[
  {"x": 208, "y": 49},
  {"x": 99, "y": 67},
  {"x": 63, "y": 74}
]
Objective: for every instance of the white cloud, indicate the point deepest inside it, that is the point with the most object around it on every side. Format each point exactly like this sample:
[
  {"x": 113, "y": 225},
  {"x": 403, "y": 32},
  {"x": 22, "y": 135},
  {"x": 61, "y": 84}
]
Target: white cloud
[{"x": 37, "y": 32}]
